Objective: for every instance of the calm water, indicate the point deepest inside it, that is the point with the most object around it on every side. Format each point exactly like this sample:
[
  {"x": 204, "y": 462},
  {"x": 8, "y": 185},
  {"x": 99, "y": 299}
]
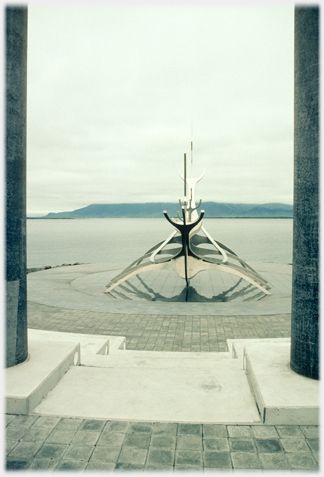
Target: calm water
[{"x": 56, "y": 241}]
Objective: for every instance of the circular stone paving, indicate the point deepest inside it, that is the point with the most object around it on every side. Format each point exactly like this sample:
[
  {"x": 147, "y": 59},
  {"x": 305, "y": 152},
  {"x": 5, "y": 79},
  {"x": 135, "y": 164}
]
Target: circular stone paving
[
  {"x": 206, "y": 287},
  {"x": 162, "y": 292}
]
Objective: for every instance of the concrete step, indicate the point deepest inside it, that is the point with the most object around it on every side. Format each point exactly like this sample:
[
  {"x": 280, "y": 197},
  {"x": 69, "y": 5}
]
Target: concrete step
[
  {"x": 146, "y": 386},
  {"x": 91, "y": 345},
  {"x": 177, "y": 354},
  {"x": 282, "y": 396},
  {"x": 147, "y": 394},
  {"x": 237, "y": 346},
  {"x": 251, "y": 385},
  {"x": 149, "y": 359},
  {"x": 27, "y": 383}
]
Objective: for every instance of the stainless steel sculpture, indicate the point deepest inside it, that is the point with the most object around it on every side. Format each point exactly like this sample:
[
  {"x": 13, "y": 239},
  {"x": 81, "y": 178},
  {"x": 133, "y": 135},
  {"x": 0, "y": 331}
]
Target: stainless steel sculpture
[{"x": 193, "y": 249}]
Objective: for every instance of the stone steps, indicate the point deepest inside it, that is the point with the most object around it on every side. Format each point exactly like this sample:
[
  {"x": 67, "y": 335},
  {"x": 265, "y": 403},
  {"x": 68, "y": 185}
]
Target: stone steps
[
  {"x": 156, "y": 360},
  {"x": 27, "y": 383},
  {"x": 153, "y": 394},
  {"x": 252, "y": 384}
]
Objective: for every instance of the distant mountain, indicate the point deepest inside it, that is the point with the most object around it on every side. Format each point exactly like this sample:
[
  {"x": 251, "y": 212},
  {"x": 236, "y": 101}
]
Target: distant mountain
[{"x": 155, "y": 209}]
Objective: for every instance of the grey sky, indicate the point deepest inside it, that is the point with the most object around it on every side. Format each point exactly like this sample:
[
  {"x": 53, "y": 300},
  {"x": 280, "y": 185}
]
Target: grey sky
[{"x": 111, "y": 93}]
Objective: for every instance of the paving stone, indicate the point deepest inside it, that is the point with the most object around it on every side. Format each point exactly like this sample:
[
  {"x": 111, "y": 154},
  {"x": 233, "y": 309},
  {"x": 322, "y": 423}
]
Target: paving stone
[
  {"x": 160, "y": 457},
  {"x": 37, "y": 434},
  {"x": 16, "y": 433},
  {"x": 301, "y": 461},
  {"x": 140, "y": 427},
  {"x": 217, "y": 460},
  {"x": 218, "y": 445},
  {"x": 22, "y": 421},
  {"x": 105, "y": 454},
  {"x": 16, "y": 464},
  {"x": 239, "y": 431},
  {"x": 187, "y": 442},
  {"x": 51, "y": 451},
  {"x": 116, "y": 426},
  {"x": 277, "y": 461},
  {"x": 245, "y": 460},
  {"x": 188, "y": 468},
  {"x": 75, "y": 452},
  {"x": 188, "y": 458},
  {"x": 289, "y": 431},
  {"x": 60, "y": 436},
  {"x": 9, "y": 418},
  {"x": 190, "y": 429},
  {"x": 68, "y": 423},
  {"x": 92, "y": 425},
  {"x": 132, "y": 455},
  {"x": 100, "y": 465},
  {"x": 71, "y": 465},
  {"x": 268, "y": 445},
  {"x": 165, "y": 428},
  {"x": 114, "y": 439},
  {"x": 214, "y": 430},
  {"x": 310, "y": 432},
  {"x": 122, "y": 466},
  {"x": 46, "y": 421},
  {"x": 25, "y": 449},
  {"x": 313, "y": 444},
  {"x": 241, "y": 445},
  {"x": 264, "y": 432},
  {"x": 85, "y": 438},
  {"x": 294, "y": 445},
  {"x": 139, "y": 440},
  {"x": 10, "y": 445},
  {"x": 163, "y": 441},
  {"x": 43, "y": 464},
  {"x": 158, "y": 467}
]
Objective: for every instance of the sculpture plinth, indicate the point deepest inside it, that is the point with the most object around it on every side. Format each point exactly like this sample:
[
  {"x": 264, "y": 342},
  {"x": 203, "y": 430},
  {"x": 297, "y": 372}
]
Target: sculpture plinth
[{"x": 193, "y": 249}]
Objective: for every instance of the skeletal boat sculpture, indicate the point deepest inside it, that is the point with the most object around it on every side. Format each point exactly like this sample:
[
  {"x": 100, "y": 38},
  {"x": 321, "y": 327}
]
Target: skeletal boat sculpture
[{"x": 193, "y": 249}]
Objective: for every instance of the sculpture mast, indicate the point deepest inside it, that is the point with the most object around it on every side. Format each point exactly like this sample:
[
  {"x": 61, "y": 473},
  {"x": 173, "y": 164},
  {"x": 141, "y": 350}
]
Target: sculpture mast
[
  {"x": 191, "y": 145},
  {"x": 185, "y": 176}
]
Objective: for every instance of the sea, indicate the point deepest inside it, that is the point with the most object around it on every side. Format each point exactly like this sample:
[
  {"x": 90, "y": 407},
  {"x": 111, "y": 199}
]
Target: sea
[{"x": 52, "y": 242}]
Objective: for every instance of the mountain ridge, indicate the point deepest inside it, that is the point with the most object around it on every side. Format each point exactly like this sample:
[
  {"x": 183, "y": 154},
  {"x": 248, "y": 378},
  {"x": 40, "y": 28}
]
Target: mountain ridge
[{"x": 155, "y": 210}]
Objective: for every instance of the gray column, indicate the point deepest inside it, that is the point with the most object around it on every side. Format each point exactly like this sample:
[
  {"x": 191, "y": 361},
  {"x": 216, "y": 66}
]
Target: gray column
[
  {"x": 15, "y": 143},
  {"x": 305, "y": 296}
]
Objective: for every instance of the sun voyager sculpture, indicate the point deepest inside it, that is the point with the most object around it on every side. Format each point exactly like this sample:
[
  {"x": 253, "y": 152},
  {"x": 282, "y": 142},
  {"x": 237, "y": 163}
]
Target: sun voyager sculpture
[{"x": 190, "y": 249}]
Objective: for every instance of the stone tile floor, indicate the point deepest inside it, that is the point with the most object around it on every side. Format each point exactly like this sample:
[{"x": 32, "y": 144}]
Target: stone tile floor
[
  {"x": 161, "y": 332},
  {"x": 52, "y": 443}
]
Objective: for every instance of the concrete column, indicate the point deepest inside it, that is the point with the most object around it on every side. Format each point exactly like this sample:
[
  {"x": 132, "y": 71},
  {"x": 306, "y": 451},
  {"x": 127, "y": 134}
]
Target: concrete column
[
  {"x": 15, "y": 144},
  {"x": 305, "y": 296}
]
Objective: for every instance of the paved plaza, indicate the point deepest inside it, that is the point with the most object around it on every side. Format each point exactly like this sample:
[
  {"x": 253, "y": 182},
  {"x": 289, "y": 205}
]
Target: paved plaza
[
  {"x": 83, "y": 287},
  {"x": 53, "y": 443},
  {"x": 72, "y": 299},
  {"x": 58, "y": 301},
  {"x": 161, "y": 332}
]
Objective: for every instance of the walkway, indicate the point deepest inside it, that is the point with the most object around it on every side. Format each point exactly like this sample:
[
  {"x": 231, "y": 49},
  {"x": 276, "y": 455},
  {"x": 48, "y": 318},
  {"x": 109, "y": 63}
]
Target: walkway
[
  {"x": 72, "y": 299},
  {"x": 160, "y": 332},
  {"x": 48, "y": 442}
]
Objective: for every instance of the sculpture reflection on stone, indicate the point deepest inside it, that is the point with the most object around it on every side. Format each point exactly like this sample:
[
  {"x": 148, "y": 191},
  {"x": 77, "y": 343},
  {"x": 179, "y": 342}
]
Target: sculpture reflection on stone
[{"x": 193, "y": 249}]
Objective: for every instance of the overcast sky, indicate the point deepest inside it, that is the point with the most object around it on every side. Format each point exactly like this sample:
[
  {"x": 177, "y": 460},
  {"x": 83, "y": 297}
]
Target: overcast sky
[{"x": 112, "y": 90}]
